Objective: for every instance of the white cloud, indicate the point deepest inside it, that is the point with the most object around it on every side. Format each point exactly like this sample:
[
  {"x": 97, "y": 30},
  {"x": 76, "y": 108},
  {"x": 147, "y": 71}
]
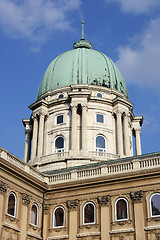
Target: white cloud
[
  {"x": 35, "y": 19},
  {"x": 141, "y": 66},
  {"x": 136, "y": 6}
]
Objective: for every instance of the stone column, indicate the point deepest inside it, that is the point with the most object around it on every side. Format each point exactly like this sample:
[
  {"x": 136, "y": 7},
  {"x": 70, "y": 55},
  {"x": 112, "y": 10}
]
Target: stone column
[
  {"x": 24, "y": 214},
  {"x": 84, "y": 127},
  {"x": 138, "y": 141},
  {"x": 137, "y": 198},
  {"x": 72, "y": 206},
  {"x": 34, "y": 139},
  {"x": 3, "y": 188},
  {"x": 74, "y": 132},
  {"x": 119, "y": 133},
  {"x": 126, "y": 135},
  {"x": 40, "y": 134},
  {"x": 45, "y": 150},
  {"x": 105, "y": 219},
  {"x": 27, "y": 149}
]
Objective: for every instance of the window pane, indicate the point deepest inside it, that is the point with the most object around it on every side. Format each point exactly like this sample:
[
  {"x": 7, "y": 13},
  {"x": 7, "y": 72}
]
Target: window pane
[
  {"x": 155, "y": 204},
  {"x": 100, "y": 118},
  {"x": 100, "y": 142},
  {"x": 11, "y": 204},
  {"x": 61, "y": 95},
  {"x": 121, "y": 209},
  {"x": 89, "y": 213},
  {"x": 99, "y": 95},
  {"x": 59, "y": 217},
  {"x": 34, "y": 215},
  {"x": 59, "y": 143},
  {"x": 59, "y": 119}
]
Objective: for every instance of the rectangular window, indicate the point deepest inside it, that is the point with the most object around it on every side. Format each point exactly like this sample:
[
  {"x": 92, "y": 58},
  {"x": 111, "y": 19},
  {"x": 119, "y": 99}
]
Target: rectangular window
[
  {"x": 100, "y": 118},
  {"x": 59, "y": 119}
]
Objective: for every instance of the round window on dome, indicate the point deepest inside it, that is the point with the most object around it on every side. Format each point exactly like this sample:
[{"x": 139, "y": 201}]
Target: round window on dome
[
  {"x": 61, "y": 95},
  {"x": 99, "y": 95}
]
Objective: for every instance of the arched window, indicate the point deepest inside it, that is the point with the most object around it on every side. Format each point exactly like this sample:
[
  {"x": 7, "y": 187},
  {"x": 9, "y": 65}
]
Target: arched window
[
  {"x": 59, "y": 144},
  {"x": 12, "y": 204},
  {"x": 99, "y": 95},
  {"x": 121, "y": 209},
  {"x": 61, "y": 95},
  {"x": 59, "y": 217},
  {"x": 34, "y": 214},
  {"x": 100, "y": 144},
  {"x": 89, "y": 215},
  {"x": 155, "y": 205}
]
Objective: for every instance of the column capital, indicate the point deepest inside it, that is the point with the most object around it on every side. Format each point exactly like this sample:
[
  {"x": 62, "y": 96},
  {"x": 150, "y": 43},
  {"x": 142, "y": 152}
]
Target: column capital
[
  {"x": 72, "y": 204},
  {"x": 103, "y": 200},
  {"x": 34, "y": 116},
  {"x": 3, "y": 187},
  {"x": 74, "y": 105},
  {"x": 84, "y": 105},
  {"x": 136, "y": 196},
  {"x": 25, "y": 198}
]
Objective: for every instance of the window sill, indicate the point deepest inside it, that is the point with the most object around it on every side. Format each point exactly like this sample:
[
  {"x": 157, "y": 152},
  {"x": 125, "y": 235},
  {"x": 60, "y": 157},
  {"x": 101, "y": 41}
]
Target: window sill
[{"x": 11, "y": 218}]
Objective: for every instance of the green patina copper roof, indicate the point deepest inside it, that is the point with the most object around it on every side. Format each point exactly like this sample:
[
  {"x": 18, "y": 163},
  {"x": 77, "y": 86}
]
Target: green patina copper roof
[{"x": 82, "y": 65}]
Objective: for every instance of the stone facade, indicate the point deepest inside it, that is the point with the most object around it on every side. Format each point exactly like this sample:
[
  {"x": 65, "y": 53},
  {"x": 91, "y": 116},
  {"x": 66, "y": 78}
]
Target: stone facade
[{"x": 134, "y": 179}]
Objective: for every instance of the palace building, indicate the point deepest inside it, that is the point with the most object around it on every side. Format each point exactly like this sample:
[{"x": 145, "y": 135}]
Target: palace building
[{"x": 80, "y": 179}]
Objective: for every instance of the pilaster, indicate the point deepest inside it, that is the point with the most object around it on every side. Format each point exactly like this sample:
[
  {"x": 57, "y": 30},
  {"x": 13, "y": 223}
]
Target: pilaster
[
  {"x": 24, "y": 213},
  {"x": 137, "y": 199},
  {"x": 3, "y": 188}
]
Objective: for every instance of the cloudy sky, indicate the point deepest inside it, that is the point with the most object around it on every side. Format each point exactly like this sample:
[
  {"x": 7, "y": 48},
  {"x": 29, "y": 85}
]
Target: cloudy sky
[{"x": 34, "y": 32}]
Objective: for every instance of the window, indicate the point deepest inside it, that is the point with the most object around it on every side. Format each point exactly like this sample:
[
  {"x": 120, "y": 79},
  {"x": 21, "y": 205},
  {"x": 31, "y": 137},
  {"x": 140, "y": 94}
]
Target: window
[
  {"x": 34, "y": 214},
  {"x": 99, "y": 118},
  {"x": 89, "y": 213},
  {"x": 59, "y": 119},
  {"x": 121, "y": 209},
  {"x": 59, "y": 217},
  {"x": 100, "y": 144},
  {"x": 59, "y": 144},
  {"x": 155, "y": 205},
  {"x": 61, "y": 95},
  {"x": 12, "y": 202},
  {"x": 99, "y": 95}
]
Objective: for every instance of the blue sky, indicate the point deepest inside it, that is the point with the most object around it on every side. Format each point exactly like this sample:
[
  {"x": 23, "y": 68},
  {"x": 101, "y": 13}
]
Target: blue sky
[{"x": 34, "y": 32}]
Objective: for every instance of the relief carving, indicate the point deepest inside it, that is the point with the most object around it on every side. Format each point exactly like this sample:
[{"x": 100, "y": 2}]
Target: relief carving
[
  {"x": 26, "y": 198},
  {"x": 103, "y": 200},
  {"x": 136, "y": 196},
  {"x": 72, "y": 204},
  {"x": 3, "y": 187}
]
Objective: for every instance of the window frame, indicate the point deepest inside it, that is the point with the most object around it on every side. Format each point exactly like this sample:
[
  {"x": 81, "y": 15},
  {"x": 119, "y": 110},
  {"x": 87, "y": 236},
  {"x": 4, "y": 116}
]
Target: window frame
[
  {"x": 83, "y": 213},
  {"x": 36, "y": 205},
  {"x": 104, "y": 150},
  {"x": 15, "y": 205},
  {"x": 57, "y": 117},
  {"x": 103, "y": 118},
  {"x": 53, "y": 217},
  {"x": 61, "y": 149},
  {"x": 115, "y": 209},
  {"x": 150, "y": 199}
]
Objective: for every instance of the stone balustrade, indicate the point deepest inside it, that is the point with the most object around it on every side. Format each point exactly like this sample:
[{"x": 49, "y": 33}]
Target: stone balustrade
[{"x": 117, "y": 166}]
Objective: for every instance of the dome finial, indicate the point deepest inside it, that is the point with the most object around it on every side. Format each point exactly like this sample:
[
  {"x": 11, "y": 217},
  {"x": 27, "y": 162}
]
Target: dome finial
[{"x": 82, "y": 29}]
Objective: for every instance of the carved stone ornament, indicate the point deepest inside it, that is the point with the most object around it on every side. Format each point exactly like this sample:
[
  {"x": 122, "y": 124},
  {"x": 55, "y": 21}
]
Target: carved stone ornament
[
  {"x": 3, "y": 187},
  {"x": 26, "y": 198},
  {"x": 72, "y": 204},
  {"x": 46, "y": 207},
  {"x": 136, "y": 196},
  {"x": 103, "y": 200}
]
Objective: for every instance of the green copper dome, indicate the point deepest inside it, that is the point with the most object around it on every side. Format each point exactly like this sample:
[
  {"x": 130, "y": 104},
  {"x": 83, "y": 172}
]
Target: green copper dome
[{"x": 82, "y": 65}]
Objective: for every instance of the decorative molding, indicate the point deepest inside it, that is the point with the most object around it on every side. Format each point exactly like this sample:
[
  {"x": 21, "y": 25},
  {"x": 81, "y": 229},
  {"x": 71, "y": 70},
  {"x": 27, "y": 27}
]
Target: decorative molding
[
  {"x": 26, "y": 198},
  {"x": 88, "y": 234},
  {"x": 103, "y": 200},
  {"x": 72, "y": 204},
  {"x": 45, "y": 208},
  {"x": 136, "y": 196},
  {"x": 3, "y": 187}
]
